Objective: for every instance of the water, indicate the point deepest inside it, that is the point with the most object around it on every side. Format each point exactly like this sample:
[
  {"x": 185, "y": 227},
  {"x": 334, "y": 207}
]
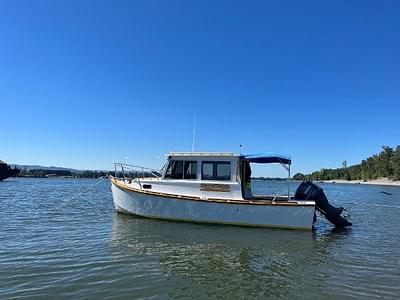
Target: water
[{"x": 62, "y": 238}]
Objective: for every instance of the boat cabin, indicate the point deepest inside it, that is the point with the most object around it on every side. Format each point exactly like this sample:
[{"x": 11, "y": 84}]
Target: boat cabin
[
  {"x": 201, "y": 166},
  {"x": 221, "y": 170}
]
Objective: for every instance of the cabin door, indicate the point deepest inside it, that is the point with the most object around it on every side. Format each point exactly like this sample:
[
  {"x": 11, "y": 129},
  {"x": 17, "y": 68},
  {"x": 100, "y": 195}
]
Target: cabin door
[{"x": 245, "y": 179}]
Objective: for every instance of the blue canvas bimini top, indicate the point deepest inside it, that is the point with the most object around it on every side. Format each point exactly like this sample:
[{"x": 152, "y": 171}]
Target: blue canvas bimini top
[{"x": 268, "y": 157}]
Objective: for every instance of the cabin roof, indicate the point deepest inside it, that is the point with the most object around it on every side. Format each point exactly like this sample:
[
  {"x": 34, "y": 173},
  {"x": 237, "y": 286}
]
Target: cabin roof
[
  {"x": 263, "y": 157},
  {"x": 205, "y": 154}
]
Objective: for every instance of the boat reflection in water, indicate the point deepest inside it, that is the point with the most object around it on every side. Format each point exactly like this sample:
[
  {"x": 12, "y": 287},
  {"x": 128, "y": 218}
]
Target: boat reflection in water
[{"x": 226, "y": 261}]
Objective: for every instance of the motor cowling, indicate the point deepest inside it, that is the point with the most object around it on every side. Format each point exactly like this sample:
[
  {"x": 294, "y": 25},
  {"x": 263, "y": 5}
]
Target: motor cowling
[{"x": 310, "y": 191}]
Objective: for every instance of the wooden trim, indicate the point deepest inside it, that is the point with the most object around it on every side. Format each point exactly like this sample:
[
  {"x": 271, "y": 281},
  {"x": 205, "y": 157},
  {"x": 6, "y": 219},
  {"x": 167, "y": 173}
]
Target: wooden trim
[{"x": 217, "y": 200}]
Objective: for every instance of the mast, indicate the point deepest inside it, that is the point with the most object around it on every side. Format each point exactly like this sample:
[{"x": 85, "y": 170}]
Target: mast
[{"x": 194, "y": 132}]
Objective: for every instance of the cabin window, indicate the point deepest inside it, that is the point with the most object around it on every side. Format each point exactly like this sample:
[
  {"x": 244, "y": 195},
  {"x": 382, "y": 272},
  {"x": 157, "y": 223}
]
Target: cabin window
[
  {"x": 179, "y": 169},
  {"x": 219, "y": 170},
  {"x": 175, "y": 169},
  {"x": 190, "y": 170},
  {"x": 208, "y": 171},
  {"x": 224, "y": 171}
]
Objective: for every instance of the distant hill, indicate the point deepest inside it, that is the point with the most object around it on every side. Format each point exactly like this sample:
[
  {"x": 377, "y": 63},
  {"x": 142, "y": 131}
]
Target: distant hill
[
  {"x": 269, "y": 178},
  {"x": 51, "y": 168},
  {"x": 52, "y": 171}
]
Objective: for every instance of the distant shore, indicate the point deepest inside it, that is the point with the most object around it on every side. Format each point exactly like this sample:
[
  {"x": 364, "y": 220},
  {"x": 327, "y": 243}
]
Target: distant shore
[{"x": 380, "y": 181}]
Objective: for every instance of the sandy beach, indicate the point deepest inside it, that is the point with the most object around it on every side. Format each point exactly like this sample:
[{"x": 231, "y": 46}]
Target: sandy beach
[{"x": 380, "y": 181}]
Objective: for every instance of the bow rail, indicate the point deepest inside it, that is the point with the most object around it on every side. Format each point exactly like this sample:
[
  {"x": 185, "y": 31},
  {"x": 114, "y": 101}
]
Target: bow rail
[{"x": 135, "y": 171}]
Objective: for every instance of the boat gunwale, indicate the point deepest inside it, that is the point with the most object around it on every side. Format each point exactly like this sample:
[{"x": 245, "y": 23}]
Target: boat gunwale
[{"x": 213, "y": 200}]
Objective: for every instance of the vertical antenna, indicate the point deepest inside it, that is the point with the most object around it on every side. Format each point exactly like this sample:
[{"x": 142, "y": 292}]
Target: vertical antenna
[{"x": 194, "y": 132}]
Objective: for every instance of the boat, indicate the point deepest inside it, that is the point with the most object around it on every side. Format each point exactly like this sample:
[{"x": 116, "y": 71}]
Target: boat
[
  {"x": 6, "y": 171},
  {"x": 216, "y": 187}
]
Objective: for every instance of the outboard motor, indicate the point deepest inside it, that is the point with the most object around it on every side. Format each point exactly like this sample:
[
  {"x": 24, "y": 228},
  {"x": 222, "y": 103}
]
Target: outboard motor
[{"x": 310, "y": 191}]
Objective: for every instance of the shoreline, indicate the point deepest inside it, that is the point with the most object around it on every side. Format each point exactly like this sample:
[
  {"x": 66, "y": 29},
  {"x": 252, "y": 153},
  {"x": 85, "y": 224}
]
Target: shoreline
[{"x": 383, "y": 181}]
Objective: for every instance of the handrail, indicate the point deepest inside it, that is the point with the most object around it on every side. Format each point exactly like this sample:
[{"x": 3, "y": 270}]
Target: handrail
[{"x": 123, "y": 166}]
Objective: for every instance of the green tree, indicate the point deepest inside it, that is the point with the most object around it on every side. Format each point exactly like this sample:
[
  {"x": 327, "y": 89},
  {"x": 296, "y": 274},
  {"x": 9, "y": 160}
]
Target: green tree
[
  {"x": 299, "y": 176},
  {"x": 385, "y": 162},
  {"x": 396, "y": 164}
]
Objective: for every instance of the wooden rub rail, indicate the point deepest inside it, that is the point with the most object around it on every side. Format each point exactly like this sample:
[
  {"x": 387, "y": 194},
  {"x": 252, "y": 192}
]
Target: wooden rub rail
[{"x": 217, "y": 200}]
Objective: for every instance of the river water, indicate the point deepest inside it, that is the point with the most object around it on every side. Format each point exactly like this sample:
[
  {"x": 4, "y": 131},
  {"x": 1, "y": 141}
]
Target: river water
[{"x": 62, "y": 238}]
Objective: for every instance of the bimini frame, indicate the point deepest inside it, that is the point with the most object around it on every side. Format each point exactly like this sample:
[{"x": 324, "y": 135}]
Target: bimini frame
[{"x": 268, "y": 158}]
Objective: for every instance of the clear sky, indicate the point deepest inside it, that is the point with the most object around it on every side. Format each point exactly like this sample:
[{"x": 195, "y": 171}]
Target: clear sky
[{"x": 87, "y": 83}]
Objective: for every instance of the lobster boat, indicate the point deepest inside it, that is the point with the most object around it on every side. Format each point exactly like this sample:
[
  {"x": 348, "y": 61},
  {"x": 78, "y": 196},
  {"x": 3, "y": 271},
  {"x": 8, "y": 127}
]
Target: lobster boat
[{"x": 209, "y": 187}]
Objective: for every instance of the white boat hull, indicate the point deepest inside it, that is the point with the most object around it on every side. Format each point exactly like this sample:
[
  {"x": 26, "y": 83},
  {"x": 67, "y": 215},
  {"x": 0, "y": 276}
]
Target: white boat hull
[{"x": 178, "y": 209}]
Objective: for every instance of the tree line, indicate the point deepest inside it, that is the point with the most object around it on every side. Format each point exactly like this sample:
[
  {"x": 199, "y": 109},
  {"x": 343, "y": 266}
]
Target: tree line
[
  {"x": 385, "y": 164},
  {"x": 43, "y": 173}
]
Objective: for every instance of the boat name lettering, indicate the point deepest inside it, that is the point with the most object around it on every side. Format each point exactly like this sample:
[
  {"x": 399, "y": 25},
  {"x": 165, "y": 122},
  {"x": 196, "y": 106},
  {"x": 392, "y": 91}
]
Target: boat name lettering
[{"x": 209, "y": 187}]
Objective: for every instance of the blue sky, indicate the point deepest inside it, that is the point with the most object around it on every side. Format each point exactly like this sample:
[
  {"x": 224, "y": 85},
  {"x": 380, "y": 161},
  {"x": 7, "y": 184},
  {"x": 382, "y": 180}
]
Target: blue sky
[{"x": 87, "y": 83}]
